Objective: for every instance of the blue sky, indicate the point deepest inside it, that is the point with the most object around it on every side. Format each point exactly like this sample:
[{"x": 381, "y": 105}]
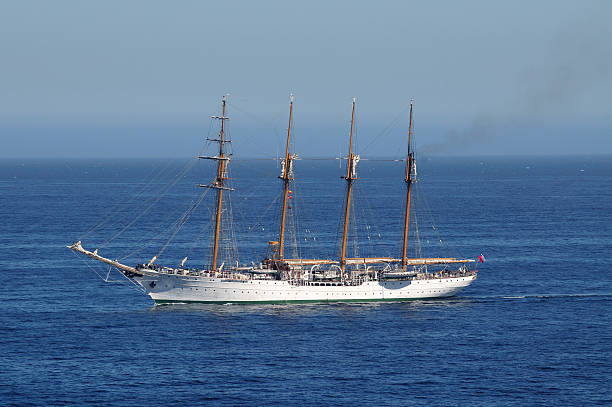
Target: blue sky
[{"x": 141, "y": 78}]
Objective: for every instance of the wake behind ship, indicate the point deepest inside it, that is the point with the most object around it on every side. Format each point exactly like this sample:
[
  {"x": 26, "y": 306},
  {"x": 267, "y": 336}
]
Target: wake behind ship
[{"x": 280, "y": 279}]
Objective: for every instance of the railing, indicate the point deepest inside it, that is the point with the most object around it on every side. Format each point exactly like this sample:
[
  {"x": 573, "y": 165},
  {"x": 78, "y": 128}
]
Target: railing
[{"x": 356, "y": 281}]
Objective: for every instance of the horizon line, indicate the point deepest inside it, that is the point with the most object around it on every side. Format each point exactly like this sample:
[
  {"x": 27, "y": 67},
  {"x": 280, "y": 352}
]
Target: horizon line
[{"x": 312, "y": 157}]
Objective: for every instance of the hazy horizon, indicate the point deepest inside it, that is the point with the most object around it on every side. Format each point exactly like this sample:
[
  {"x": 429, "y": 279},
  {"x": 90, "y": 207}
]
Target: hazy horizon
[{"x": 140, "y": 79}]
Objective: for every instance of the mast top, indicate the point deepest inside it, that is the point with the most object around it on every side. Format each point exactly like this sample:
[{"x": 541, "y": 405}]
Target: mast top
[
  {"x": 223, "y": 101},
  {"x": 353, "y": 159}
]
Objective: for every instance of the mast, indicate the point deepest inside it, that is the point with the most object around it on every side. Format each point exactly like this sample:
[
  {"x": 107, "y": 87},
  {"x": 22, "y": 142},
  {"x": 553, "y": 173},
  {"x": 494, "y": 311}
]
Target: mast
[
  {"x": 286, "y": 175},
  {"x": 218, "y": 184},
  {"x": 351, "y": 174},
  {"x": 409, "y": 174}
]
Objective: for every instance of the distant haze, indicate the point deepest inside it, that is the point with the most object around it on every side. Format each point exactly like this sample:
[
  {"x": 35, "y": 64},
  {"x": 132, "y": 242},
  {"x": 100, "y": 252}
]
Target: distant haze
[{"x": 141, "y": 78}]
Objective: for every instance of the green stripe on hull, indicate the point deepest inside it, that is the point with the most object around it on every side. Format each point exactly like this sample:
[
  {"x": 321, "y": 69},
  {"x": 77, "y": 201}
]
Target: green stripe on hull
[{"x": 162, "y": 302}]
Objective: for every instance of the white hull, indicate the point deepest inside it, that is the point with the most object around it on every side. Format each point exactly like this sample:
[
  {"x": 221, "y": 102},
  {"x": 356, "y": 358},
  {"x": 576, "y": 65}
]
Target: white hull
[{"x": 164, "y": 288}]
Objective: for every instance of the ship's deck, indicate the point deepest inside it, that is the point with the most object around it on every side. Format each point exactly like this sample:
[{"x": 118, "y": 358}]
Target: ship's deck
[{"x": 259, "y": 274}]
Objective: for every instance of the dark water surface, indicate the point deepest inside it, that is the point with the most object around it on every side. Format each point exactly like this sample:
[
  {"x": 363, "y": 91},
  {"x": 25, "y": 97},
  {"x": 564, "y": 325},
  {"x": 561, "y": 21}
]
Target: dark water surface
[{"x": 534, "y": 329}]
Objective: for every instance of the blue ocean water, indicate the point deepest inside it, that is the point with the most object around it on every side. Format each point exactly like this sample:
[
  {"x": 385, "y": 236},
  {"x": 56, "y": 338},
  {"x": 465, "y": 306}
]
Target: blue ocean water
[{"x": 534, "y": 329}]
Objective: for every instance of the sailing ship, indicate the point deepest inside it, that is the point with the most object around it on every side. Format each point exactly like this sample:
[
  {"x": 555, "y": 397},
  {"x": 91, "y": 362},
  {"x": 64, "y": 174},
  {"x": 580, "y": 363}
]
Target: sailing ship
[{"x": 280, "y": 279}]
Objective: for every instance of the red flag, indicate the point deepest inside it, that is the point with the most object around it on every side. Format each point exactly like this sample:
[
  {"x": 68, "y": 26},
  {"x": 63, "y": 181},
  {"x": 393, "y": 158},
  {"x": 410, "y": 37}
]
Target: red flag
[{"x": 481, "y": 258}]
